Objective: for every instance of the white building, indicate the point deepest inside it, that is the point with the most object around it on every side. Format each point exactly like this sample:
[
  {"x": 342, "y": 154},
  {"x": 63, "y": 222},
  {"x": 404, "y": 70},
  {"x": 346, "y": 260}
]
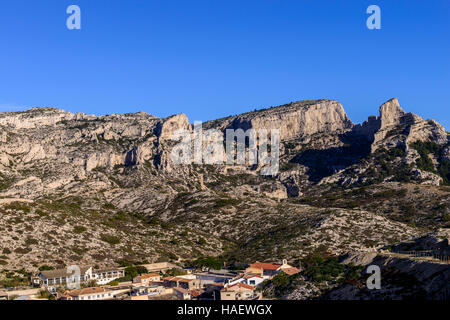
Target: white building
[
  {"x": 105, "y": 276},
  {"x": 64, "y": 277},
  {"x": 249, "y": 279},
  {"x": 88, "y": 294}
]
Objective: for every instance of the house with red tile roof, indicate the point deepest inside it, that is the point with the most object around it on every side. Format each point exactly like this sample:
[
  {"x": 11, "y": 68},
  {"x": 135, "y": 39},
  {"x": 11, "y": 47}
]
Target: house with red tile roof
[
  {"x": 250, "y": 279},
  {"x": 238, "y": 291},
  {"x": 264, "y": 269},
  {"x": 91, "y": 293},
  {"x": 186, "y": 283},
  {"x": 147, "y": 279},
  {"x": 288, "y": 269},
  {"x": 196, "y": 293}
]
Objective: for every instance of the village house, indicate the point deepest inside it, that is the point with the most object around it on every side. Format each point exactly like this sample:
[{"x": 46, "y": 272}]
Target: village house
[
  {"x": 196, "y": 293},
  {"x": 288, "y": 269},
  {"x": 62, "y": 277},
  {"x": 212, "y": 290},
  {"x": 182, "y": 293},
  {"x": 105, "y": 276},
  {"x": 263, "y": 269},
  {"x": 214, "y": 276},
  {"x": 238, "y": 291},
  {"x": 93, "y": 293},
  {"x": 144, "y": 292},
  {"x": 147, "y": 279},
  {"x": 250, "y": 279},
  {"x": 181, "y": 282}
]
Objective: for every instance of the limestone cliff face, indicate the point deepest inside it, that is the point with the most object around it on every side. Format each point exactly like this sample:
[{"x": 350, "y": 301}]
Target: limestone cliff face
[
  {"x": 297, "y": 120},
  {"x": 38, "y": 117},
  {"x": 167, "y": 127},
  {"x": 57, "y": 145},
  {"x": 394, "y": 127},
  {"x": 391, "y": 113}
]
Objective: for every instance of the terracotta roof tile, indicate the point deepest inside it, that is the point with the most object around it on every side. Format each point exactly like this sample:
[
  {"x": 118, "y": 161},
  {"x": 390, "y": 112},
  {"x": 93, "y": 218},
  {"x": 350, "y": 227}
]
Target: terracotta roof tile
[
  {"x": 290, "y": 271},
  {"x": 148, "y": 275},
  {"x": 239, "y": 284},
  {"x": 84, "y": 291},
  {"x": 265, "y": 266}
]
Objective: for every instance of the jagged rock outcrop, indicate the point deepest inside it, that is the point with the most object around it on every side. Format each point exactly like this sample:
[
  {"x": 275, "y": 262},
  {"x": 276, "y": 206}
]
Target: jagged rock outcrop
[
  {"x": 427, "y": 178},
  {"x": 104, "y": 160},
  {"x": 167, "y": 127},
  {"x": 394, "y": 127},
  {"x": 296, "y": 120},
  {"x": 391, "y": 113}
]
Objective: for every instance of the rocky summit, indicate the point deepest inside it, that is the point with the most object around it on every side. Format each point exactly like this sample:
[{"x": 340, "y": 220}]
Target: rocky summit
[{"x": 101, "y": 190}]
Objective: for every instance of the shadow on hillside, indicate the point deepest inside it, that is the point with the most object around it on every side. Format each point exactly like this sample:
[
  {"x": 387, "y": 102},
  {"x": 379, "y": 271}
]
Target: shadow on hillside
[{"x": 324, "y": 163}]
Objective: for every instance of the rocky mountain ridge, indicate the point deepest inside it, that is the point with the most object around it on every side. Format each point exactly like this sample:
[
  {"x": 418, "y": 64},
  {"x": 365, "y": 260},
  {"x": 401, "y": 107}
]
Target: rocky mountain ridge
[{"x": 101, "y": 189}]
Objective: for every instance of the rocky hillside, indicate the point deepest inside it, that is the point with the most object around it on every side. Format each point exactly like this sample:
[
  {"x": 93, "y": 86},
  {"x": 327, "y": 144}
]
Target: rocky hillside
[{"x": 77, "y": 188}]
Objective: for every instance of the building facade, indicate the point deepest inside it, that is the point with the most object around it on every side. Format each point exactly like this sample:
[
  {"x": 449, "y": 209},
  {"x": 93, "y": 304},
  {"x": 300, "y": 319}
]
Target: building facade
[
  {"x": 67, "y": 277},
  {"x": 105, "y": 276},
  {"x": 94, "y": 293}
]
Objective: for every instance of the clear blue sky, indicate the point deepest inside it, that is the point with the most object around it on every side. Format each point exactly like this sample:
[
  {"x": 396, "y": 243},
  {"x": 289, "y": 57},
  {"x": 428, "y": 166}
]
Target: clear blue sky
[{"x": 211, "y": 58}]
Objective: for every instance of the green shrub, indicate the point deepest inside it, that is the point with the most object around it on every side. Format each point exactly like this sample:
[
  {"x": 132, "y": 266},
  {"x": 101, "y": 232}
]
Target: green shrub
[
  {"x": 225, "y": 202},
  {"x": 30, "y": 241},
  {"x": 281, "y": 284},
  {"x": 44, "y": 294},
  {"x": 79, "y": 229},
  {"x": 23, "y": 250},
  {"x": 175, "y": 272},
  {"x": 18, "y": 206},
  {"x": 41, "y": 213},
  {"x": 109, "y": 206},
  {"x": 201, "y": 241},
  {"x": 45, "y": 267},
  {"x": 424, "y": 149},
  {"x": 209, "y": 262},
  {"x": 112, "y": 240},
  {"x": 133, "y": 271},
  {"x": 444, "y": 172},
  {"x": 321, "y": 268}
]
